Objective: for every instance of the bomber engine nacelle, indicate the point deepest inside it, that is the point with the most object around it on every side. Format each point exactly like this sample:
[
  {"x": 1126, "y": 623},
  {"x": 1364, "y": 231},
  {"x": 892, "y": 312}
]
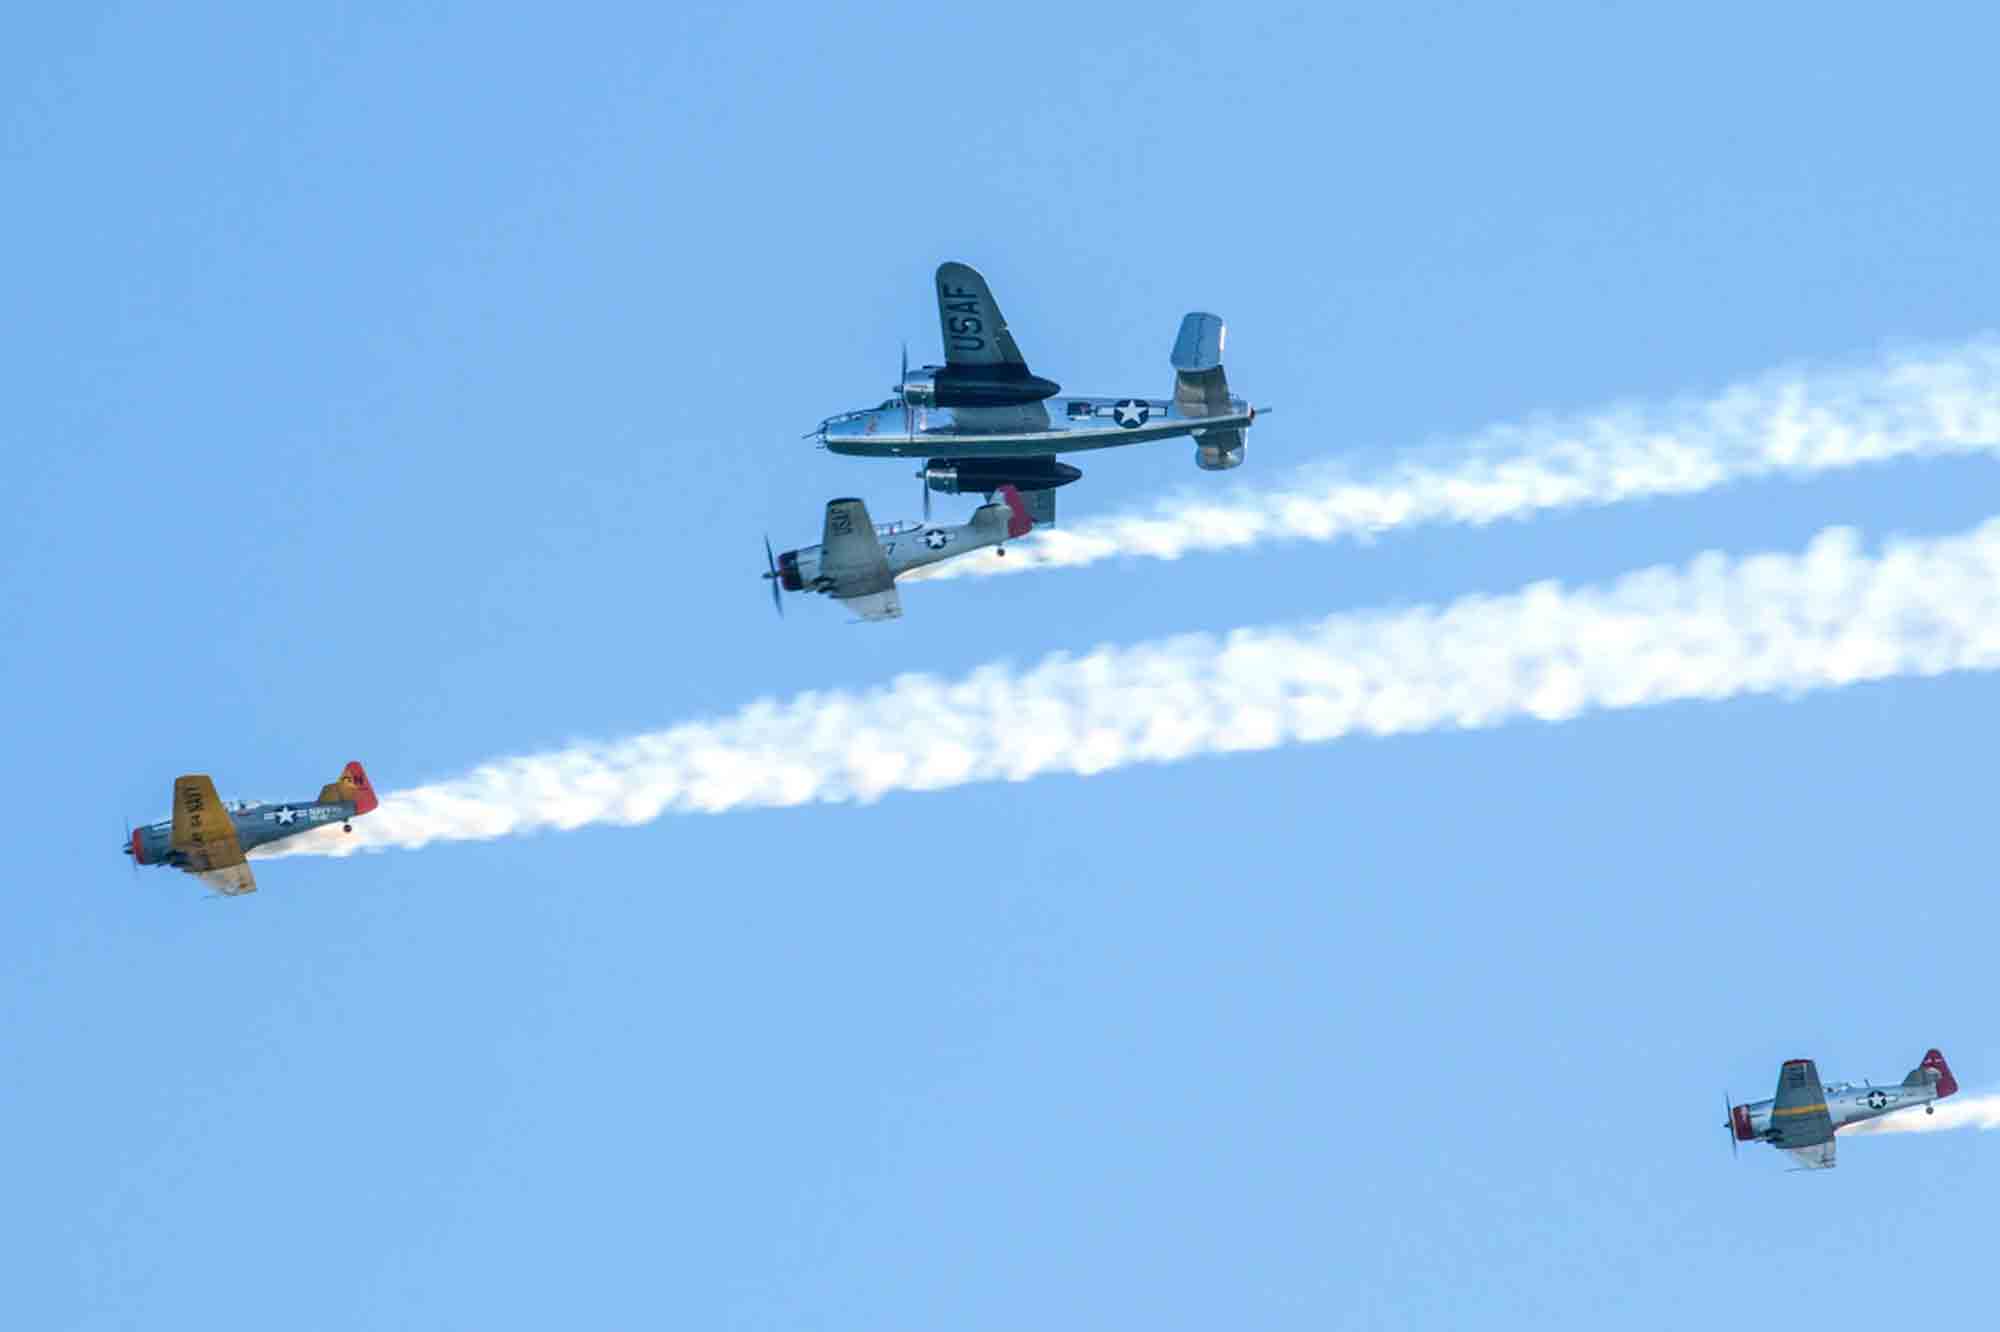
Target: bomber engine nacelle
[
  {"x": 1219, "y": 457},
  {"x": 974, "y": 386},
  {"x": 983, "y": 476}
]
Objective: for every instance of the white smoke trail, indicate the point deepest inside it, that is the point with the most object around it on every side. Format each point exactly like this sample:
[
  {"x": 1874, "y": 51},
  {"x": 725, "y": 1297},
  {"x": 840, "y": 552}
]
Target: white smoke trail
[
  {"x": 1828, "y": 617},
  {"x": 1786, "y": 423},
  {"x": 1957, "y": 1112}
]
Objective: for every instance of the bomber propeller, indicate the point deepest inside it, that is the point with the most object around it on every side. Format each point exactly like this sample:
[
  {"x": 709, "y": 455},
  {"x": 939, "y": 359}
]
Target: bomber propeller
[{"x": 910, "y": 421}]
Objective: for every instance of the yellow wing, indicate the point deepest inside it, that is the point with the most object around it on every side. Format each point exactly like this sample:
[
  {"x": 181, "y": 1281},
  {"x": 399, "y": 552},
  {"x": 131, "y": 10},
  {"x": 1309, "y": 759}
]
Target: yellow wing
[
  {"x": 206, "y": 835},
  {"x": 230, "y": 880}
]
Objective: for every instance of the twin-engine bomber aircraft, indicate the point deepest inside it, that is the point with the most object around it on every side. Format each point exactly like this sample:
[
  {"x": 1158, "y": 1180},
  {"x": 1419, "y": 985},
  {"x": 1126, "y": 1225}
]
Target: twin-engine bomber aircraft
[
  {"x": 981, "y": 419},
  {"x": 858, "y": 562},
  {"x": 209, "y": 838},
  {"x": 1803, "y": 1117}
]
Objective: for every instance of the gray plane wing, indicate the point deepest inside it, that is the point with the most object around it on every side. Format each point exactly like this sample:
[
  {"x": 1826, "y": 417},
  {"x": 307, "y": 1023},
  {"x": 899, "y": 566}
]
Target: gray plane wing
[
  {"x": 850, "y": 553},
  {"x": 1800, "y": 1123},
  {"x": 884, "y": 605}
]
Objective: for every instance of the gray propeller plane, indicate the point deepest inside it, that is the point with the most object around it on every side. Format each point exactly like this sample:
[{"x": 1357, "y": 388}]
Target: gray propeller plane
[
  {"x": 210, "y": 838},
  {"x": 1804, "y": 1115},
  {"x": 858, "y": 562},
  {"x": 981, "y": 419}
]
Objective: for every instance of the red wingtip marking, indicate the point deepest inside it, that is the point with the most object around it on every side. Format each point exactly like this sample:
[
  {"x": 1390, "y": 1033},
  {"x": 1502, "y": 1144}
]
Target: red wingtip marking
[
  {"x": 364, "y": 793},
  {"x": 1947, "y": 1084},
  {"x": 1019, "y": 523},
  {"x": 139, "y": 847}
]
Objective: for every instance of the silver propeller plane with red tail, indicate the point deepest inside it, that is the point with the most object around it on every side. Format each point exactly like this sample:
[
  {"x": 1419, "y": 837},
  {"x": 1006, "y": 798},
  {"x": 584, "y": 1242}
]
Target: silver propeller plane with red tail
[
  {"x": 211, "y": 838},
  {"x": 982, "y": 419},
  {"x": 1805, "y": 1114},
  {"x": 858, "y": 562}
]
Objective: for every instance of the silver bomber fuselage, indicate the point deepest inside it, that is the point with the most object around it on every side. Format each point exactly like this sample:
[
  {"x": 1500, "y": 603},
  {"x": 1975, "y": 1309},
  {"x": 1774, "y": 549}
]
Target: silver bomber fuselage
[{"x": 1075, "y": 423}]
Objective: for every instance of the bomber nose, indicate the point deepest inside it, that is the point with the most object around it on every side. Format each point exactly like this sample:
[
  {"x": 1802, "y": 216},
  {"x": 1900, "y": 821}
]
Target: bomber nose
[{"x": 136, "y": 848}]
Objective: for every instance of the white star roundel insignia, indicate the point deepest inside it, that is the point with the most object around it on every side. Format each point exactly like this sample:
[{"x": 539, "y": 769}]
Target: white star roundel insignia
[
  {"x": 1131, "y": 413},
  {"x": 936, "y": 539},
  {"x": 287, "y": 814},
  {"x": 1876, "y": 1100}
]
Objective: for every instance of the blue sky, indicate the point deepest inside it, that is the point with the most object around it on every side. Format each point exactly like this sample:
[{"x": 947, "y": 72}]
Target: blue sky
[{"x": 416, "y": 387}]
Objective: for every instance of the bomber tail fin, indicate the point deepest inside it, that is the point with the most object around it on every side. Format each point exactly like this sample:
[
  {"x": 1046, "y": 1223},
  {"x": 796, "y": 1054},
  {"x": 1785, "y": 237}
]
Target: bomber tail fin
[
  {"x": 1933, "y": 1070},
  {"x": 1200, "y": 389},
  {"x": 351, "y": 786}
]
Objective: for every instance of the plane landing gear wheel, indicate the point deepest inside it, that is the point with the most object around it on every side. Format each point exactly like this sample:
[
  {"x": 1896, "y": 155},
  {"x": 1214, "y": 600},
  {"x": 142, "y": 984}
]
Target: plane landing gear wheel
[
  {"x": 1930, "y": 1109},
  {"x": 1000, "y": 552},
  {"x": 347, "y": 827}
]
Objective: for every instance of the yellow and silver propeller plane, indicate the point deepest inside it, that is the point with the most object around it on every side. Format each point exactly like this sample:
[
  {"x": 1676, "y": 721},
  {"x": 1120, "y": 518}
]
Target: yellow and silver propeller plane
[{"x": 211, "y": 838}]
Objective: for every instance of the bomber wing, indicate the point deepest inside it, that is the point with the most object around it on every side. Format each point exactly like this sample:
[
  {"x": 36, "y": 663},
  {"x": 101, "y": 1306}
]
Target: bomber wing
[
  {"x": 1800, "y": 1123},
  {"x": 975, "y": 332},
  {"x": 204, "y": 832},
  {"x": 1040, "y": 506}
]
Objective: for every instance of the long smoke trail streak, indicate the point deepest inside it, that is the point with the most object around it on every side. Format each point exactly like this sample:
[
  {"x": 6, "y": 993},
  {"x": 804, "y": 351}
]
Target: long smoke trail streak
[
  {"x": 1715, "y": 628},
  {"x": 1786, "y": 423},
  {"x": 1980, "y": 1112}
]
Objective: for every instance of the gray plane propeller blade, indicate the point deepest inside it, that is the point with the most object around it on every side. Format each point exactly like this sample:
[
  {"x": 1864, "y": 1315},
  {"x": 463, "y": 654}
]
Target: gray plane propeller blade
[{"x": 777, "y": 593}]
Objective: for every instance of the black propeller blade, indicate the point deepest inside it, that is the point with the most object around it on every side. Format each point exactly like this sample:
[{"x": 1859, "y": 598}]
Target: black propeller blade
[
  {"x": 1729, "y": 1121},
  {"x": 903, "y": 389},
  {"x": 909, "y": 421},
  {"x": 777, "y": 594}
]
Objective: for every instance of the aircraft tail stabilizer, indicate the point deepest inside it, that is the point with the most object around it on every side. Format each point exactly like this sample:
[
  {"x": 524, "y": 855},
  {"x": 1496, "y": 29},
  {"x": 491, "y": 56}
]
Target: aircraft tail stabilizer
[
  {"x": 1200, "y": 387},
  {"x": 1020, "y": 521},
  {"x": 1935, "y": 1070},
  {"x": 352, "y": 785}
]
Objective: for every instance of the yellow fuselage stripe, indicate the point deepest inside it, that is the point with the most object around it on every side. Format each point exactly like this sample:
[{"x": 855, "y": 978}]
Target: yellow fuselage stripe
[{"x": 1801, "y": 1110}]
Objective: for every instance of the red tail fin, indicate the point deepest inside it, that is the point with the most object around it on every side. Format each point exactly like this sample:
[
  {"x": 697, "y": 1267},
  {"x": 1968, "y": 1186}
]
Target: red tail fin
[
  {"x": 1947, "y": 1084},
  {"x": 1019, "y": 524},
  {"x": 363, "y": 797}
]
